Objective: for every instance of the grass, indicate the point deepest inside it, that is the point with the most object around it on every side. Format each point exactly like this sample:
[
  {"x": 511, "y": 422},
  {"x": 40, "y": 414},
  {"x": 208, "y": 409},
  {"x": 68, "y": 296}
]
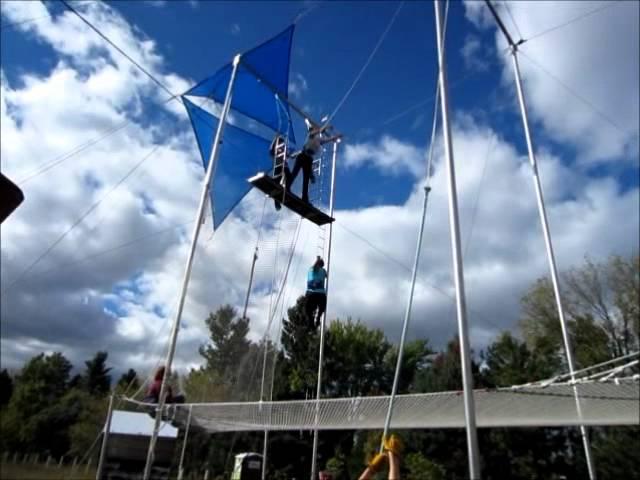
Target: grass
[{"x": 17, "y": 471}]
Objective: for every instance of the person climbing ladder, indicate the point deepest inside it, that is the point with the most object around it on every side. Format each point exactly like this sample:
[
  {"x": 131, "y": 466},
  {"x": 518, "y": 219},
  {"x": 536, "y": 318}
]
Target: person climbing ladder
[
  {"x": 304, "y": 159},
  {"x": 316, "y": 295}
]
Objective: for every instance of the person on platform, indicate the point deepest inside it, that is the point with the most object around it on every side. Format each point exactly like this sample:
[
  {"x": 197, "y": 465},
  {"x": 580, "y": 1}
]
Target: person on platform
[{"x": 304, "y": 160}]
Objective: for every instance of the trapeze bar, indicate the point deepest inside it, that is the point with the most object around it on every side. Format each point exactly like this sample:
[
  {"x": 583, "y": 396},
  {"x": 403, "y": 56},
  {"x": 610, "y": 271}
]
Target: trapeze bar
[{"x": 270, "y": 187}]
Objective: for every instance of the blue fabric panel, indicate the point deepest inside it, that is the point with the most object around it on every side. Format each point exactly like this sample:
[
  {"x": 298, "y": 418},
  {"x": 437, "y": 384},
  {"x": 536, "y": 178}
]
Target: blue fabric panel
[
  {"x": 251, "y": 95},
  {"x": 242, "y": 155},
  {"x": 270, "y": 61}
]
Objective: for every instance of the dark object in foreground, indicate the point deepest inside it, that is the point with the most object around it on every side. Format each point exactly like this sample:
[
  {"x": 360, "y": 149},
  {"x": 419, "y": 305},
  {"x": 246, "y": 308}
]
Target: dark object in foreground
[{"x": 10, "y": 197}]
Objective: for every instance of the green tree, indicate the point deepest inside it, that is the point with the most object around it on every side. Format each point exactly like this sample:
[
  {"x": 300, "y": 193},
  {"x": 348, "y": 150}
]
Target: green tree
[
  {"x": 419, "y": 467},
  {"x": 129, "y": 381},
  {"x": 88, "y": 424},
  {"x": 416, "y": 359},
  {"x": 300, "y": 343},
  {"x": 355, "y": 360},
  {"x": 96, "y": 379},
  {"x": 226, "y": 353},
  {"x": 509, "y": 362},
  {"x": 37, "y": 418},
  {"x": 336, "y": 466},
  {"x": 602, "y": 307}
]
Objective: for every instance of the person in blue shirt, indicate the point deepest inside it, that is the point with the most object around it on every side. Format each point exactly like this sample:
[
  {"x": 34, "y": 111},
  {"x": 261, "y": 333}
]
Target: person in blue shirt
[{"x": 316, "y": 292}]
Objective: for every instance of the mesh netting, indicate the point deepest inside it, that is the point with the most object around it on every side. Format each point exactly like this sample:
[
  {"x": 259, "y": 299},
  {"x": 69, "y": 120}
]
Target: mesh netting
[{"x": 611, "y": 403}]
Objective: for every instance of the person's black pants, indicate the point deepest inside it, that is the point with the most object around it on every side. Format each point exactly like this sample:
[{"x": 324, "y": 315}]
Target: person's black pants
[
  {"x": 304, "y": 161},
  {"x": 315, "y": 301}
]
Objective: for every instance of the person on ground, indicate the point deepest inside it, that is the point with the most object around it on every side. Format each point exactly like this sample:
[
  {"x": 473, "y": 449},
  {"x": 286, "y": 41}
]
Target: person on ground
[
  {"x": 392, "y": 448},
  {"x": 316, "y": 295},
  {"x": 304, "y": 159}
]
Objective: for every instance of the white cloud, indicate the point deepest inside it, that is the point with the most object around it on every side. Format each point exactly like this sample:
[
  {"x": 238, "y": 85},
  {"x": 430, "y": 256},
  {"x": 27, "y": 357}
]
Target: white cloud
[
  {"x": 472, "y": 54},
  {"x": 597, "y": 57},
  {"x": 389, "y": 156},
  {"x": 298, "y": 85},
  {"x": 235, "y": 29}
]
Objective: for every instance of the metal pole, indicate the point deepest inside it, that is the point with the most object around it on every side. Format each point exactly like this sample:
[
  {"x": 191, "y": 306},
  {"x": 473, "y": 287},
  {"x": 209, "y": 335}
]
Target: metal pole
[
  {"x": 253, "y": 266},
  {"x": 314, "y": 452},
  {"x": 105, "y": 439},
  {"x": 187, "y": 273},
  {"x": 263, "y": 473},
  {"x": 184, "y": 444},
  {"x": 465, "y": 354},
  {"x": 407, "y": 316},
  {"x": 551, "y": 259}
]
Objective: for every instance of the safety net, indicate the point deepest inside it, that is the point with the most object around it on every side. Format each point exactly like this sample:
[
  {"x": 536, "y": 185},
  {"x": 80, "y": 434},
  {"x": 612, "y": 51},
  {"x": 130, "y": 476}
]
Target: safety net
[{"x": 601, "y": 403}]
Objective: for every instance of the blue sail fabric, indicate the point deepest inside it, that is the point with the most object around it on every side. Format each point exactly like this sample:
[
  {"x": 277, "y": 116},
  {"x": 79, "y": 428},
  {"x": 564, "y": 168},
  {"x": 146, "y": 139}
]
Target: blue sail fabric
[
  {"x": 241, "y": 155},
  {"x": 263, "y": 72}
]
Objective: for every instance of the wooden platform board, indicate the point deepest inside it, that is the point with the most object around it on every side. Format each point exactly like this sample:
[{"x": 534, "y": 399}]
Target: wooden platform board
[{"x": 269, "y": 186}]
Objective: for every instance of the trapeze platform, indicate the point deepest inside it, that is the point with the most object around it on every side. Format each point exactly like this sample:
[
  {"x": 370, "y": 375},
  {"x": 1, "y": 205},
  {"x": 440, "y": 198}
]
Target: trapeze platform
[{"x": 269, "y": 186}]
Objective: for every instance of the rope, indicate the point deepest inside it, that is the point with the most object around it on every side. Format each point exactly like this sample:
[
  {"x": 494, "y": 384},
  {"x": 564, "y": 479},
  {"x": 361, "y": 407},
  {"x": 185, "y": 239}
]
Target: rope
[
  {"x": 138, "y": 66},
  {"x": 606, "y": 5},
  {"x": 513, "y": 20},
  {"x": 79, "y": 220},
  {"x": 574, "y": 93},
  {"x": 7, "y": 25},
  {"x": 477, "y": 198},
  {"x": 75, "y": 151},
  {"x": 303, "y": 13},
  {"x": 414, "y": 271},
  {"x": 100, "y": 253},
  {"x": 420, "y": 104},
  {"x": 366, "y": 64},
  {"x": 407, "y": 268}
]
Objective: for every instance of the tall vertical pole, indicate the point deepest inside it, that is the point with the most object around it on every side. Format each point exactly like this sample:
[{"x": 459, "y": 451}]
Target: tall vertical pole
[
  {"x": 407, "y": 317},
  {"x": 465, "y": 353},
  {"x": 105, "y": 439},
  {"x": 314, "y": 451},
  {"x": 184, "y": 445},
  {"x": 265, "y": 440},
  {"x": 187, "y": 272},
  {"x": 551, "y": 259}
]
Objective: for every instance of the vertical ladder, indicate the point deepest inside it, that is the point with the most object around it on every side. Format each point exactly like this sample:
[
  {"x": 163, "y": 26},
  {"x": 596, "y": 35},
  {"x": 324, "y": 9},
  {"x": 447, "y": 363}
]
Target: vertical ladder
[
  {"x": 279, "y": 159},
  {"x": 317, "y": 169}
]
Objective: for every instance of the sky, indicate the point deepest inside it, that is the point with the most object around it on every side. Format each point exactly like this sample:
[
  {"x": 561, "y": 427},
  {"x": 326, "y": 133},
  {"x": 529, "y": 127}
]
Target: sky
[{"x": 94, "y": 257}]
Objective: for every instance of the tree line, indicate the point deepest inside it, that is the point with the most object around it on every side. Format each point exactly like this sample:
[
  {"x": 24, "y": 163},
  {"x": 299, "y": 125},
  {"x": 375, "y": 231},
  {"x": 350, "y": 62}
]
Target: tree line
[{"x": 44, "y": 409}]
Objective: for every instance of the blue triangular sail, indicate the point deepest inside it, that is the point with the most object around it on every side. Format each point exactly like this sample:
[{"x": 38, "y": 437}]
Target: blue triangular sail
[
  {"x": 262, "y": 70},
  {"x": 270, "y": 61},
  {"x": 241, "y": 155}
]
